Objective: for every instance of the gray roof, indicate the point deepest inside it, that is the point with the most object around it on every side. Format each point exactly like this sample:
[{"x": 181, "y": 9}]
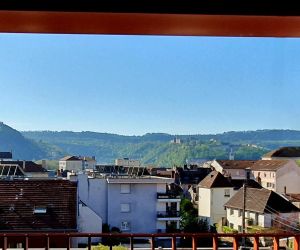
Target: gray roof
[{"x": 261, "y": 201}]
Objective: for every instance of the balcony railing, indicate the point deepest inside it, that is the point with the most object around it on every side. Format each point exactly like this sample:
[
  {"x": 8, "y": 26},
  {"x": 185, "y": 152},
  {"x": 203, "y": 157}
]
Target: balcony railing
[
  {"x": 167, "y": 196},
  {"x": 168, "y": 214},
  {"x": 47, "y": 238}
]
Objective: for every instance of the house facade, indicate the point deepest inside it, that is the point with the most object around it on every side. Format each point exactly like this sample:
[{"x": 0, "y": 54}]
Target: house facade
[
  {"x": 281, "y": 176},
  {"x": 71, "y": 163},
  {"x": 132, "y": 204},
  {"x": 213, "y": 192},
  {"x": 263, "y": 208}
]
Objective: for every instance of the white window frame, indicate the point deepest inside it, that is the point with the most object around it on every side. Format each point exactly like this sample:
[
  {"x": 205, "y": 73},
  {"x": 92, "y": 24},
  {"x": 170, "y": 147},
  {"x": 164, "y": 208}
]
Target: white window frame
[
  {"x": 125, "y": 208},
  {"x": 125, "y": 226},
  {"x": 125, "y": 188}
]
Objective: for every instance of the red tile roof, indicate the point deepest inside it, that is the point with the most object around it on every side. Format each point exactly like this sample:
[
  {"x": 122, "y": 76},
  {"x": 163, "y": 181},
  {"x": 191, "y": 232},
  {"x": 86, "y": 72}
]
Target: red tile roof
[
  {"x": 215, "y": 180},
  {"x": 268, "y": 165},
  {"x": 19, "y": 198},
  {"x": 234, "y": 164}
]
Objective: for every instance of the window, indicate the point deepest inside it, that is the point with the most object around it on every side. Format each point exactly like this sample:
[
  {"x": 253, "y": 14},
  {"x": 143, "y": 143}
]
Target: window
[
  {"x": 231, "y": 225},
  {"x": 231, "y": 211},
  {"x": 240, "y": 213},
  {"x": 240, "y": 229},
  {"x": 125, "y": 226},
  {"x": 125, "y": 188},
  {"x": 227, "y": 192},
  {"x": 125, "y": 207},
  {"x": 40, "y": 210}
]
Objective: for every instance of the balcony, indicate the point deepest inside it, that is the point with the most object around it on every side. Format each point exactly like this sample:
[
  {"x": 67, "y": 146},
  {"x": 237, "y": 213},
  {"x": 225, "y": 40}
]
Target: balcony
[
  {"x": 28, "y": 240},
  {"x": 168, "y": 196},
  {"x": 168, "y": 215}
]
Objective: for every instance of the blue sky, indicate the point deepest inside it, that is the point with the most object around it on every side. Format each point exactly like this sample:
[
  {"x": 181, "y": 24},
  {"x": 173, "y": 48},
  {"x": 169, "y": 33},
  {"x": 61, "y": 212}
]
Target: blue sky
[{"x": 138, "y": 84}]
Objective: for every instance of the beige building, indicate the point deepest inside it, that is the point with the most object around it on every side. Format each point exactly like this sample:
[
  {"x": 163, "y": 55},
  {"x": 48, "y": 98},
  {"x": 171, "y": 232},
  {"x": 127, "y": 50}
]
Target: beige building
[
  {"x": 71, "y": 163},
  {"x": 213, "y": 192},
  {"x": 126, "y": 162},
  {"x": 280, "y": 176}
]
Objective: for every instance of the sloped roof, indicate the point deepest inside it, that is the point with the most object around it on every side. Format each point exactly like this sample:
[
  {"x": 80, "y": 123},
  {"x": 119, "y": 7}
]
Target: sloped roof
[
  {"x": 70, "y": 158},
  {"x": 261, "y": 201},
  {"x": 19, "y": 198},
  {"x": 27, "y": 166},
  {"x": 234, "y": 164},
  {"x": 269, "y": 165},
  {"x": 285, "y": 152},
  {"x": 215, "y": 180}
]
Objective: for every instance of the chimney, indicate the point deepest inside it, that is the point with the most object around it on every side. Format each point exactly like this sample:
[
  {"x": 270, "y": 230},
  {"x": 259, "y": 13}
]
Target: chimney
[
  {"x": 24, "y": 164},
  {"x": 284, "y": 189}
]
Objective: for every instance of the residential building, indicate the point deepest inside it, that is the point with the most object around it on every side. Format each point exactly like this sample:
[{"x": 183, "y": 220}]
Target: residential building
[
  {"x": 263, "y": 208},
  {"x": 135, "y": 204},
  {"x": 38, "y": 206},
  {"x": 284, "y": 153},
  {"x": 126, "y": 162},
  {"x": 89, "y": 162},
  {"x": 281, "y": 176},
  {"x": 22, "y": 168},
  {"x": 232, "y": 168},
  {"x": 71, "y": 163},
  {"x": 213, "y": 192}
]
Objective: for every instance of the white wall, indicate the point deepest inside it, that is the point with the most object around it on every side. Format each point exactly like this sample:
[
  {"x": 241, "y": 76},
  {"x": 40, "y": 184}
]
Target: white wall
[
  {"x": 211, "y": 203},
  {"x": 288, "y": 176},
  {"x": 76, "y": 166},
  {"x": 88, "y": 222}
]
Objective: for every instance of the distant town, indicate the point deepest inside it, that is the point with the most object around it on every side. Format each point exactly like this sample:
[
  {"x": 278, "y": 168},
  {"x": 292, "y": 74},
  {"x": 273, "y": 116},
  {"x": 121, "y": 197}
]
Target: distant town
[{"x": 202, "y": 195}]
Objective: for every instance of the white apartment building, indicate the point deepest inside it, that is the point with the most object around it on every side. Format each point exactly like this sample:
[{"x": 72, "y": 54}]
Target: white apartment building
[{"x": 133, "y": 204}]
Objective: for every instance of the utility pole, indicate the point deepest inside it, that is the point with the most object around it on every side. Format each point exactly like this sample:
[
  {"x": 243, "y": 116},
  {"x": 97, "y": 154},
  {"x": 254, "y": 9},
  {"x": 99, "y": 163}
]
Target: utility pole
[{"x": 247, "y": 172}]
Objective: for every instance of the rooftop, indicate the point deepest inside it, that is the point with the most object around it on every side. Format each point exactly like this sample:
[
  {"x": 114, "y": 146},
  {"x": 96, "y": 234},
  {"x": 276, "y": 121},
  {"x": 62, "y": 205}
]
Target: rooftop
[
  {"x": 234, "y": 164},
  {"x": 269, "y": 165},
  {"x": 215, "y": 180},
  {"x": 284, "y": 152},
  {"x": 28, "y": 205},
  {"x": 261, "y": 201}
]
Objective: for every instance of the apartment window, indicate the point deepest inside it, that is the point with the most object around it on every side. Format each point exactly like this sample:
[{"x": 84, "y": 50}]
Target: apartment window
[
  {"x": 240, "y": 213},
  {"x": 125, "y": 226},
  {"x": 125, "y": 188},
  {"x": 227, "y": 192},
  {"x": 231, "y": 211},
  {"x": 125, "y": 207}
]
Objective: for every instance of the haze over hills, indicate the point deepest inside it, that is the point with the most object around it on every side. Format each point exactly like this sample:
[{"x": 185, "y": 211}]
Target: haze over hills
[{"x": 151, "y": 148}]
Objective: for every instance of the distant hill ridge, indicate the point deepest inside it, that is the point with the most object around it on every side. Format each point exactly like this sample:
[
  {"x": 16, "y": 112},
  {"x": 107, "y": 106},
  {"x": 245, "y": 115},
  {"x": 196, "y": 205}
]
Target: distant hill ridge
[{"x": 149, "y": 148}]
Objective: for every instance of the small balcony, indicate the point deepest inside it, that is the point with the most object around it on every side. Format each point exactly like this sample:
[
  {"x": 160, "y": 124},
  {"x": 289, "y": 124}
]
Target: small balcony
[
  {"x": 168, "y": 196},
  {"x": 168, "y": 215}
]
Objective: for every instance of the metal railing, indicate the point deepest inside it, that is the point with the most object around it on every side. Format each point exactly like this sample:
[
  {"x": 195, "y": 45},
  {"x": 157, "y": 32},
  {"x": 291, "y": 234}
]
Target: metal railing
[
  {"x": 168, "y": 214},
  {"x": 46, "y": 238},
  {"x": 167, "y": 196}
]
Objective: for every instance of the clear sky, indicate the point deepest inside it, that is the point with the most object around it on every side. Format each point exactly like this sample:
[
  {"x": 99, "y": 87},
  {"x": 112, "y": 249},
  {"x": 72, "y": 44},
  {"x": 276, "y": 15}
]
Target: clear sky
[{"x": 138, "y": 84}]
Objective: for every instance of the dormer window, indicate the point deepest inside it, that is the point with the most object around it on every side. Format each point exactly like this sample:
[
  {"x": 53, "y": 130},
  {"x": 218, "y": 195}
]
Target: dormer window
[{"x": 40, "y": 210}]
